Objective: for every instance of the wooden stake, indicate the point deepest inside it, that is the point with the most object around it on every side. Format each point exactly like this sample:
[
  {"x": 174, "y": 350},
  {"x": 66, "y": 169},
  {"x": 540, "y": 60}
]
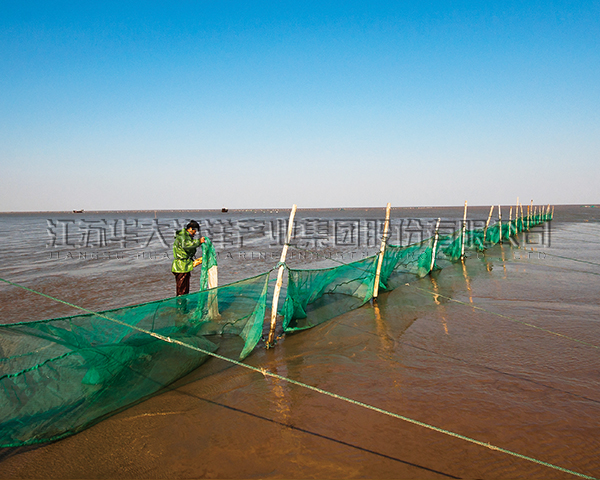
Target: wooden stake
[
  {"x": 213, "y": 299},
  {"x": 464, "y": 228},
  {"x": 487, "y": 223},
  {"x": 434, "y": 249},
  {"x": 280, "y": 278},
  {"x": 522, "y": 218},
  {"x": 386, "y": 226},
  {"x": 499, "y": 224},
  {"x": 529, "y": 215},
  {"x": 510, "y": 222}
]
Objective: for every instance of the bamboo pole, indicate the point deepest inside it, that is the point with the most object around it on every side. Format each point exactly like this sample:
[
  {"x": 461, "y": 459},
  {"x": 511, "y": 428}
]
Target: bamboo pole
[
  {"x": 510, "y": 222},
  {"x": 522, "y": 217},
  {"x": 386, "y": 227},
  {"x": 487, "y": 224},
  {"x": 552, "y": 216},
  {"x": 213, "y": 298},
  {"x": 280, "y": 277},
  {"x": 434, "y": 249},
  {"x": 529, "y": 216},
  {"x": 464, "y": 228},
  {"x": 499, "y": 225}
]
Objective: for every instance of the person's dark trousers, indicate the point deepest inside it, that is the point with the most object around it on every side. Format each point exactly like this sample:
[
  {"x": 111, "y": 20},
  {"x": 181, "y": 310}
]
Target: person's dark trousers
[{"x": 182, "y": 281}]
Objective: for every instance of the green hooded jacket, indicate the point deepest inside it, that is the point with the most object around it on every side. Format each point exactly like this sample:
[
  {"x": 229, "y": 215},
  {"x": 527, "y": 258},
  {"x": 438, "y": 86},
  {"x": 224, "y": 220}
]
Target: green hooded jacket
[{"x": 184, "y": 249}]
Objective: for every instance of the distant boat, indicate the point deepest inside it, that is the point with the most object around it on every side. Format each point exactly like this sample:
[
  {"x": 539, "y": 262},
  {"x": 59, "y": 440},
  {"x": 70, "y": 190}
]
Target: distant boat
[
  {"x": 78, "y": 211},
  {"x": 224, "y": 210}
]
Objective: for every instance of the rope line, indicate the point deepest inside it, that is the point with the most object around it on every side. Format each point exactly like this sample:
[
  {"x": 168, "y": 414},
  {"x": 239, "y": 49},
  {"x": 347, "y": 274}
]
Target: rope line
[
  {"x": 523, "y": 261},
  {"x": 503, "y": 316},
  {"x": 267, "y": 373},
  {"x": 342, "y": 263},
  {"x": 468, "y": 362},
  {"x": 562, "y": 228},
  {"x": 569, "y": 258}
]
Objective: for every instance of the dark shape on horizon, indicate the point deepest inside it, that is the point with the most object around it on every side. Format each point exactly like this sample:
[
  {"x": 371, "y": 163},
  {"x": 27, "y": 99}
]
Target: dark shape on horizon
[
  {"x": 224, "y": 210},
  {"x": 78, "y": 211}
]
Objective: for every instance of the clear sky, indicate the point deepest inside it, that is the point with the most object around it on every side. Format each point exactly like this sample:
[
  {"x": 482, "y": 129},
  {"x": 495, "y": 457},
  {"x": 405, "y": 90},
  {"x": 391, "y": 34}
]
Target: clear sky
[{"x": 253, "y": 104}]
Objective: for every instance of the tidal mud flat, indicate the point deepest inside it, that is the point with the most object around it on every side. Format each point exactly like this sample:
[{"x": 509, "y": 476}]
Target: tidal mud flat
[{"x": 474, "y": 365}]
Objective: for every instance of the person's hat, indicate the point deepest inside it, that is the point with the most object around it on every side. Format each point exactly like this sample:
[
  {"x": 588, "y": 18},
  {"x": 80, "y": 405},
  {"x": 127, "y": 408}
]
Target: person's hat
[{"x": 193, "y": 224}]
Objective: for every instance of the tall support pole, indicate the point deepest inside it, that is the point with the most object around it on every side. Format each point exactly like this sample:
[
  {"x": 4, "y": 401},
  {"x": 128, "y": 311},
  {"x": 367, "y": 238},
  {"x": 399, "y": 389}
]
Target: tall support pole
[
  {"x": 530, "y": 215},
  {"x": 280, "y": 277},
  {"x": 434, "y": 248},
  {"x": 510, "y": 222},
  {"x": 499, "y": 224},
  {"x": 552, "y": 216},
  {"x": 487, "y": 224},
  {"x": 464, "y": 229},
  {"x": 522, "y": 218},
  {"x": 548, "y": 209},
  {"x": 517, "y": 216},
  {"x": 386, "y": 227}
]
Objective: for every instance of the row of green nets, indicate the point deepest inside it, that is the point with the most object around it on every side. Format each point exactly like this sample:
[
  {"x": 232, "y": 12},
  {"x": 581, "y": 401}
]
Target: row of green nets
[
  {"x": 62, "y": 375},
  {"x": 317, "y": 295}
]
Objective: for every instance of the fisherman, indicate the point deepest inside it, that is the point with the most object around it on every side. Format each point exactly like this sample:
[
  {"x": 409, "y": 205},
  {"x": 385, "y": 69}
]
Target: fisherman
[{"x": 184, "y": 250}]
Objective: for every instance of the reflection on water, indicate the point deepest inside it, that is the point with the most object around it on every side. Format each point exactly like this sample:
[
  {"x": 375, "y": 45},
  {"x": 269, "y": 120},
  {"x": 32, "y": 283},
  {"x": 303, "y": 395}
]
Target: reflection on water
[
  {"x": 491, "y": 379},
  {"x": 468, "y": 279},
  {"x": 386, "y": 348},
  {"x": 436, "y": 298}
]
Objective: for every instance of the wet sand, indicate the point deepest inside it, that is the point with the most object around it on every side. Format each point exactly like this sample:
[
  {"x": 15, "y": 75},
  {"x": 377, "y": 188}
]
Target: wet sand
[{"x": 493, "y": 378}]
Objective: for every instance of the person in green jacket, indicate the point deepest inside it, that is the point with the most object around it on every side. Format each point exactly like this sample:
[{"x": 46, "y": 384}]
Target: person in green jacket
[{"x": 184, "y": 250}]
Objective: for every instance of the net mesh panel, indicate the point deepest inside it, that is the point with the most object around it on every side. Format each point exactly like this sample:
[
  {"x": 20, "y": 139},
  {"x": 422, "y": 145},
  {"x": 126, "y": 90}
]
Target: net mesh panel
[
  {"x": 59, "y": 376},
  {"x": 399, "y": 262},
  {"x": 315, "y": 296},
  {"x": 209, "y": 260}
]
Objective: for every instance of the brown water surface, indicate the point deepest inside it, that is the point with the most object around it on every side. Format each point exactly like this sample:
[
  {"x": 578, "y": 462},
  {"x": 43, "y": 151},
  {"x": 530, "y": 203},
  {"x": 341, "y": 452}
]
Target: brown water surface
[{"x": 512, "y": 360}]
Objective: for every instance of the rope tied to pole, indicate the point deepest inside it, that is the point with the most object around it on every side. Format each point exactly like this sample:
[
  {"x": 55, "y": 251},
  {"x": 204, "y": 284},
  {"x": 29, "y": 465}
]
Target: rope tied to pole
[{"x": 266, "y": 373}]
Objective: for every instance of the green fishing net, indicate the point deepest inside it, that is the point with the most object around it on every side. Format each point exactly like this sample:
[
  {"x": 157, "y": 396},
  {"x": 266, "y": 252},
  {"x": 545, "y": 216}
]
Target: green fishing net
[
  {"x": 209, "y": 260},
  {"x": 315, "y": 296},
  {"x": 412, "y": 260},
  {"x": 59, "y": 376}
]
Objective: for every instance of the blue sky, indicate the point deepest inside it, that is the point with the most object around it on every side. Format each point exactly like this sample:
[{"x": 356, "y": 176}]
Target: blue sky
[{"x": 191, "y": 105}]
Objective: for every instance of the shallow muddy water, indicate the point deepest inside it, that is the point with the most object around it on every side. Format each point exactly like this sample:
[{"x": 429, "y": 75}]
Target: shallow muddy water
[{"x": 504, "y": 349}]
